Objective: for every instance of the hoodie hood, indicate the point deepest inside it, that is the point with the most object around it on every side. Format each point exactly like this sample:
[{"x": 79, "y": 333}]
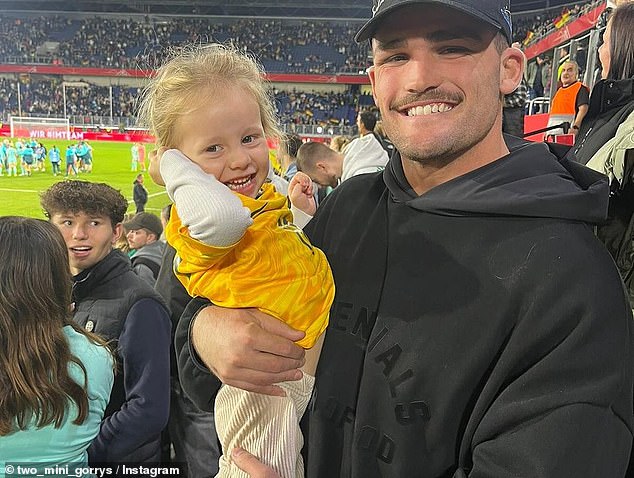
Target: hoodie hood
[
  {"x": 363, "y": 155},
  {"x": 533, "y": 180}
]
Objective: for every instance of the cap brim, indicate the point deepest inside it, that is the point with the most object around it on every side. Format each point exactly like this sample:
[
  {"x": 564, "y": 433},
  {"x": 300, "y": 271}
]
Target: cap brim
[{"x": 367, "y": 30}]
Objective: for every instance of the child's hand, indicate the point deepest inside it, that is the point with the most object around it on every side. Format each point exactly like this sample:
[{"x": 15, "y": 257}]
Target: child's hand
[
  {"x": 155, "y": 163},
  {"x": 300, "y": 192}
]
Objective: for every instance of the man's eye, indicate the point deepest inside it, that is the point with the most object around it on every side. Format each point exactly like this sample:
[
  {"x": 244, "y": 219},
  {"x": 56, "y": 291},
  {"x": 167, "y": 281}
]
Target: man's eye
[
  {"x": 394, "y": 58},
  {"x": 454, "y": 49}
]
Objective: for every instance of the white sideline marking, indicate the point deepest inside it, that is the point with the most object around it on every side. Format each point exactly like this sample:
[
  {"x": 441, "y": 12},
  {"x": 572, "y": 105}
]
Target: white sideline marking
[{"x": 20, "y": 190}]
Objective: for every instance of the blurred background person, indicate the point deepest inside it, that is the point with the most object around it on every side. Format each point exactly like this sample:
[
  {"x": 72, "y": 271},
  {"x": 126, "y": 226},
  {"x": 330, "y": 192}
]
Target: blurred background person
[
  {"x": 606, "y": 138},
  {"x": 139, "y": 193},
  {"x": 56, "y": 377}
]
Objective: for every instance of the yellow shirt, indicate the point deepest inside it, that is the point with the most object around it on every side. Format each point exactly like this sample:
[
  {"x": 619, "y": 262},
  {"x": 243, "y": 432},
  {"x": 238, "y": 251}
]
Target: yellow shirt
[{"x": 273, "y": 267}]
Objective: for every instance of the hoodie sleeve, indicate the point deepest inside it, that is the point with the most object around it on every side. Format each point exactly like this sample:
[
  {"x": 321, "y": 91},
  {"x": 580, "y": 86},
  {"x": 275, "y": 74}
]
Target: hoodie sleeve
[{"x": 144, "y": 346}]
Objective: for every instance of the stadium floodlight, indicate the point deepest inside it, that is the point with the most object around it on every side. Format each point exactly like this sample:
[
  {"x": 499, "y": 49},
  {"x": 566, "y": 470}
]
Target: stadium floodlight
[{"x": 40, "y": 127}]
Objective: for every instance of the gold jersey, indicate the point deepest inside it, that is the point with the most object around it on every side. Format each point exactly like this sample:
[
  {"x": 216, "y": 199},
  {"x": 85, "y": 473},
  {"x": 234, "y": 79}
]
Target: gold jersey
[{"x": 273, "y": 267}]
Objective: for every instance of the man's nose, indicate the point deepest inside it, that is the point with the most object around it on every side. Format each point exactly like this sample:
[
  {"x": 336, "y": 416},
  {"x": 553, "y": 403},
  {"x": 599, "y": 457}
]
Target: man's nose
[
  {"x": 79, "y": 232},
  {"x": 420, "y": 75}
]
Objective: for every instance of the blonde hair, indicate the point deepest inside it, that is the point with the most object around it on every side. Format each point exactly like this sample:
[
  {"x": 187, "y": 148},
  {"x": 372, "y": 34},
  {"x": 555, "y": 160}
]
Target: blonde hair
[
  {"x": 193, "y": 70},
  {"x": 338, "y": 143}
]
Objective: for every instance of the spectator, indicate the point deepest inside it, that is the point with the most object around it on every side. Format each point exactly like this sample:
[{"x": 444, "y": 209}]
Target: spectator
[
  {"x": 571, "y": 100},
  {"x": 56, "y": 377},
  {"x": 422, "y": 372},
  {"x": 143, "y": 234},
  {"x": 538, "y": 80},
  {"x": 339, "y": 142},
  {"x": 606, "y": 138},
  {"x": 113, "y": 302},
  {"x": 287, "y": 155},
  {"x": 366, "y": 123},
  {"x": 139, "y": 193},
  {"x": 327, "y": 167}
]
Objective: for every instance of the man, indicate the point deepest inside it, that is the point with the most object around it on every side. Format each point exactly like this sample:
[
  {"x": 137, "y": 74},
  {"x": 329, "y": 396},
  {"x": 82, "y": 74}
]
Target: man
[
  {"x": 328, "y": 167},
  {"x": 572, "y": 100},
  {"x": 139, "y": 193},
  {"x": 479, "y": 328},
  {"x": 144, "y": 233},
  {"x": 112, "y": 301},
  {"x": 538, "y": 79},
  {"x": 366, "y": 123}
]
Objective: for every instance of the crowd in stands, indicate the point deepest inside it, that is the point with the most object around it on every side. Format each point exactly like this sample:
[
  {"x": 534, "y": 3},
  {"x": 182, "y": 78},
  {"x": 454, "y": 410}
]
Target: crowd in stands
[
  {"x": 293, "y": 46},
  {"x": 528, "y": 29},
  {"x": 45, "y": 97},
  {"x": 281, "y": 45}
]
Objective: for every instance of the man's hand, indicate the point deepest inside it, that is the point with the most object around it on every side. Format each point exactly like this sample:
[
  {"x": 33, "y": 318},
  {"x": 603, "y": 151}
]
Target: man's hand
[
  {"x": 248, "y": 349},
  {"x": 155, "y": 162},
  {"x": 251, "y": 465},
  {"x": 300, "y": 192}
]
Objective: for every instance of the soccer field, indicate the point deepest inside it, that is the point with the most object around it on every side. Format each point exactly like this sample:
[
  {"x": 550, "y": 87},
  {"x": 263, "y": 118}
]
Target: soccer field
[{"x": 111, "y": 164}]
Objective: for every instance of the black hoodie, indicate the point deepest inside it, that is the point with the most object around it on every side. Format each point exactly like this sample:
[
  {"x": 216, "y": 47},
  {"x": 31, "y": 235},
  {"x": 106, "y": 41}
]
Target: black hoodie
[{"x": 479, "y": 329}]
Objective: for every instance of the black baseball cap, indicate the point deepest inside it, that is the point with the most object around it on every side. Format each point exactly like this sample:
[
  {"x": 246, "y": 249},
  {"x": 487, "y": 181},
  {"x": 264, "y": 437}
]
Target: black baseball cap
[
  {"x": 496, "y": 13},
  {"x": 145, "y": 220}
]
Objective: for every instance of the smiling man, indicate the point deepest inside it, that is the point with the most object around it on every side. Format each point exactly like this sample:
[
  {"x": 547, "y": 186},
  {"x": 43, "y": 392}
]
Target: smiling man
[
  {"x": 112, "y": 301},
  {"x": 479, "y": 328}
]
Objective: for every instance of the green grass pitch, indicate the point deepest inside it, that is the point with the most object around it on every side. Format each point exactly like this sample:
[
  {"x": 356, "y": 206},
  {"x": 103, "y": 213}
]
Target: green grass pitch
[{"x": 20, "y": 196}]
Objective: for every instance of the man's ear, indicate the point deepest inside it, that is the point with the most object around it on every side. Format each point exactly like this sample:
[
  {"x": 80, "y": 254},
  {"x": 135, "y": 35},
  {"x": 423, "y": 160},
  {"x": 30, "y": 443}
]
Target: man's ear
[
  {"x": 511, "y": 70},
  {"x": 321, "y": 166},
  {"x": 116, "y": 233},
  {"x": 372, "y": 76}
]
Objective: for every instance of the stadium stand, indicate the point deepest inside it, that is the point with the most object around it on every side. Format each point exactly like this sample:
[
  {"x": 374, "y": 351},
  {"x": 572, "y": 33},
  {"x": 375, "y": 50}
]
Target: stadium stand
[{"x": 135, "y": 42}]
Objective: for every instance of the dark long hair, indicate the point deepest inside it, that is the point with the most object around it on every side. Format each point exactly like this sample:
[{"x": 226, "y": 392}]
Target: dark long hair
[
  {"x": 622, "y": 43},
  {"x": 35, "y": 299}
]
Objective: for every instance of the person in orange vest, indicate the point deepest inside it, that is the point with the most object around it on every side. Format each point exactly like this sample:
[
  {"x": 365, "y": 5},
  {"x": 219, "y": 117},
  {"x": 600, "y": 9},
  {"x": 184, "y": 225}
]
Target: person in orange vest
[{"x": 572, "y": 98}]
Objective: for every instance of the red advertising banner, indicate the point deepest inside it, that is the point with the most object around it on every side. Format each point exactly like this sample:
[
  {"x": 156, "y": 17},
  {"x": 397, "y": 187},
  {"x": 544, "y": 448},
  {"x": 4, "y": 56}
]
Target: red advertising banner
[{"x": 578, "y": 26}]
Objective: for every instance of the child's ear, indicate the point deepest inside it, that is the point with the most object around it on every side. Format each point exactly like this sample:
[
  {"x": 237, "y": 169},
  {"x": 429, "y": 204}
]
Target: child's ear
[{"x": 511, "y": 70}]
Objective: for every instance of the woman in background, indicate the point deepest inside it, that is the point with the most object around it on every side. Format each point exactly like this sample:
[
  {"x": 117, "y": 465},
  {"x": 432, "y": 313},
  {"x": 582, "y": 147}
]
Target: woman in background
[
  {"x": 55, "y": 378},
  {"x": 605, "y": 141}
]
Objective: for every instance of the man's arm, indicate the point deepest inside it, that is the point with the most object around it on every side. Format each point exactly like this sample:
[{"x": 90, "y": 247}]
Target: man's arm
[
  {"x": 581, "y": 106},
  {"x": 241, "y": 347},
  {"x": 144, "y": 351}
]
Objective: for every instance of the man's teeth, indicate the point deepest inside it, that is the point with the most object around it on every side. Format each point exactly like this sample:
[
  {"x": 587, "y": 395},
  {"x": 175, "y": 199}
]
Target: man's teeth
[{"x": 429, "y": 109}]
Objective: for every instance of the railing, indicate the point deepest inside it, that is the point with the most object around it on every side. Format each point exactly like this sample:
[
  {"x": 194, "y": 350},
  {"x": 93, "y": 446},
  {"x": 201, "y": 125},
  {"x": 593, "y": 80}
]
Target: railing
[{"x": 542, "y": 101}]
